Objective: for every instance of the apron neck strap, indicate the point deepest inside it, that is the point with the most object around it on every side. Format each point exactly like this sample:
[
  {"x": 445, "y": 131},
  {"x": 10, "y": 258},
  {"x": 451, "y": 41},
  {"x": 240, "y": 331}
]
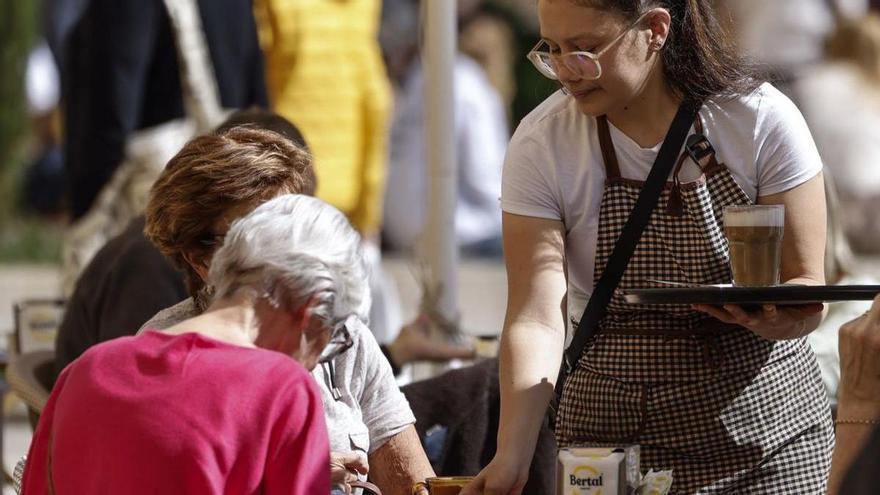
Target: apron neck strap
[
  {"x": 609, "y": 156},
  {"x": 612, "y": 168}
]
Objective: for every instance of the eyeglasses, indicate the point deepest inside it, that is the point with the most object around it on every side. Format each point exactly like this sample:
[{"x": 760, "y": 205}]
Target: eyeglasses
[
  {"x": 583, "y": 64},
  {"x": 340, "y": 341},
  {"x": 211, "y": 240}
]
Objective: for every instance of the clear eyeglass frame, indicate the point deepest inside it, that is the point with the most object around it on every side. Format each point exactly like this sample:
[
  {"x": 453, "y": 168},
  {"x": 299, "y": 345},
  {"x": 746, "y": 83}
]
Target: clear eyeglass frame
[{"x": 584, "y": 64}]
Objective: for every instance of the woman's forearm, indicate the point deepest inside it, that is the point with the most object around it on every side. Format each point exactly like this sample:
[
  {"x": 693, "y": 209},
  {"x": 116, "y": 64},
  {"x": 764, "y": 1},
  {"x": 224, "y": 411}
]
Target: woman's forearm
[
  {"x": 399, "y": 464},
  {"x": 533, "y": 335},
  {"x": 530, "y": 357},
  {"x": 849, "y": 439},
  {"x": 812, "y": 322},
  {"x": 850, "y": 435}
]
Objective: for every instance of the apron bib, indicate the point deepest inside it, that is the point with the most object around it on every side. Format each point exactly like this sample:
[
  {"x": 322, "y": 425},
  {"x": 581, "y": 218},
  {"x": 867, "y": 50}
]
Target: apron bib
[{"x": 726, "y": 410}]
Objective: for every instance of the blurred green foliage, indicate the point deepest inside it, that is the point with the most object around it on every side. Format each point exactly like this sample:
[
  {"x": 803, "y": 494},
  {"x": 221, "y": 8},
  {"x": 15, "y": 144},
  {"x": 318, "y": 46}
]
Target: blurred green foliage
[
  {"x": 21, "y": 238},
  {"x": 17, "y": 30}
]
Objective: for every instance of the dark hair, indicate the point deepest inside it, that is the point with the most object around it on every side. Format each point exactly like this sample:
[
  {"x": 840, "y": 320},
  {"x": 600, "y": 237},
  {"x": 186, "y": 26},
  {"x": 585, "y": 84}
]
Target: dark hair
[
  {"x": 700, "y": 58},
  {"x": 258, "y": 118}
]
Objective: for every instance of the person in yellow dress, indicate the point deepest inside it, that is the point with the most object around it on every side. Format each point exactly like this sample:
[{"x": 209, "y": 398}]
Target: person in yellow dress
[{"x": 325, "y": 73}]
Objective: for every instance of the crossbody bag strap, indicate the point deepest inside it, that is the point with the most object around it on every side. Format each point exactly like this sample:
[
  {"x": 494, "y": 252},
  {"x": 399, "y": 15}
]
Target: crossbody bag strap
[
  {"x": 625, "y": 246},
  {"x": 198, "y": 81}
]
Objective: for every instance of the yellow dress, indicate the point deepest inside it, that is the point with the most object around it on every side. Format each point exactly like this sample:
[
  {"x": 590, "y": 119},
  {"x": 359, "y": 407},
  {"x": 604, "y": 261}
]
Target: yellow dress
[{"x": 325, "y": 74}]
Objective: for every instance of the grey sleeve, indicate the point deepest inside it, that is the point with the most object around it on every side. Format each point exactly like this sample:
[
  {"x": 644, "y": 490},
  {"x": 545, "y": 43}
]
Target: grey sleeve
[{"x": 385, "y": 410}]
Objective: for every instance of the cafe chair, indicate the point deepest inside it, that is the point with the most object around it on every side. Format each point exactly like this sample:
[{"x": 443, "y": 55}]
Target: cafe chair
[
  {"x": 18, "y": 474},
  {"x": 457, "y": 415},
  {"x": 32, "y": 352}
]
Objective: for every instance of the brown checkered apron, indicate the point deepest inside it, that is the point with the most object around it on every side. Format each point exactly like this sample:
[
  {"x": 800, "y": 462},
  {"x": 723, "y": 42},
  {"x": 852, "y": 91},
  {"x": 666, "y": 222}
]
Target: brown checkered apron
[{"x": 727, "y": 411}]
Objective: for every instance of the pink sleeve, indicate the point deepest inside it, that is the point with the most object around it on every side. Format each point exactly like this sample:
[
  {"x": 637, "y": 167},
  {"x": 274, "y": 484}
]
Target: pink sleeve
[
  {"x": 299, "y": 449},
  {"x": 36, "y": 473}
]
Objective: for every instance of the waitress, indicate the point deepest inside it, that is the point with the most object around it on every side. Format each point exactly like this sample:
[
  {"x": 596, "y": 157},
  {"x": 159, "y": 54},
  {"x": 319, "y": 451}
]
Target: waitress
[{"x": 731, "y": 401}]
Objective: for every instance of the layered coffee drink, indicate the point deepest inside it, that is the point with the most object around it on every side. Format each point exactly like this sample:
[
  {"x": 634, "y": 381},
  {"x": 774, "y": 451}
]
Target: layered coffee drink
[
  {"x": 445, "y": 485},
  {"x": 755, "y": 235}
]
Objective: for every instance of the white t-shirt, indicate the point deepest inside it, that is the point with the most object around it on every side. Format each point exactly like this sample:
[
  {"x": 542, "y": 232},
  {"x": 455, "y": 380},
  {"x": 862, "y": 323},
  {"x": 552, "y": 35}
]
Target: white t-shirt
[
  {"x": 554, "y": 168},
  {"x": 481, "y": 138}
]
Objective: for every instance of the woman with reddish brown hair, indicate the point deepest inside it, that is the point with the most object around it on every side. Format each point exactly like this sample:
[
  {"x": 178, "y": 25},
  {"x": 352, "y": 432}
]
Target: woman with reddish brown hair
[
  {"x": 729, "y": 400},
  {"x": 215, "y": 179}
]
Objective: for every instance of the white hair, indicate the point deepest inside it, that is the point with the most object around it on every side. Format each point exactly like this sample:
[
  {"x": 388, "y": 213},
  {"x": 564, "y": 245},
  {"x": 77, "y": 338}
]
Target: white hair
[{"x": 291, "y": 249}]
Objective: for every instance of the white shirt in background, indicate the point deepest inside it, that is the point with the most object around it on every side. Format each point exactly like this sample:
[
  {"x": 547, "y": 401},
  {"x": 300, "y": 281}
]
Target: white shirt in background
[
  {"x": 481, "y": 133},
  {"x": 842, "y": 109},
  {"x": 42, "y": 82},
  {"x": 787, "y": 33}
]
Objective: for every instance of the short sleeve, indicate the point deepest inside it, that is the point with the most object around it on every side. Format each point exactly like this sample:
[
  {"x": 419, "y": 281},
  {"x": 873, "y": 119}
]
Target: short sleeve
[
  {"x": 299, "y": 449},
  {"x": 527, "y": 184},
  {"x": 385, "y": 410},
  {"x": 36, "y": 479},
  {"x": 786, "y": 153}
]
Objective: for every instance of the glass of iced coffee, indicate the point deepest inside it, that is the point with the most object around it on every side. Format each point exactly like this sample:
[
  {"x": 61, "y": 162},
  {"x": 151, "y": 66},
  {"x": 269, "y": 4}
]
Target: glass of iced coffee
[
  {"x": 444, "y": 485},
  {"x": 754, "y": 233}
]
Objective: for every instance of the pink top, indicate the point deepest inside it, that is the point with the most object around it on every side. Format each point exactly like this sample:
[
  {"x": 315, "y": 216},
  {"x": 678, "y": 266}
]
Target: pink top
[{"x": 160, "y": 413}]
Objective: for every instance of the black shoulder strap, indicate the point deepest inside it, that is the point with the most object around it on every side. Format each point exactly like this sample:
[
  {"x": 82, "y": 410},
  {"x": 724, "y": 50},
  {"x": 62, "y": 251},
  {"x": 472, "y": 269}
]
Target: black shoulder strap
[{"x": 629, "y": 237}]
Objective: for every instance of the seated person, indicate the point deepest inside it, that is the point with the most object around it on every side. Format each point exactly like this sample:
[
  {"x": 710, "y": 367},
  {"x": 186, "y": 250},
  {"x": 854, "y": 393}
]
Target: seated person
[
  {"x": 855, "y": 468},
  {"x": 213, "y": 181},
  {"x": 129, "y": 280},
  {"x": 112, "y": 297},
  {"x": 840, "y": 269},
  {"x": 222, "y": 402}
]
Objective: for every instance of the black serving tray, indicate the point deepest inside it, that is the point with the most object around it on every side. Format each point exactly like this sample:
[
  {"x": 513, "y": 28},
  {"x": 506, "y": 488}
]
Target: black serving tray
[{"x": 777, "y": 294}]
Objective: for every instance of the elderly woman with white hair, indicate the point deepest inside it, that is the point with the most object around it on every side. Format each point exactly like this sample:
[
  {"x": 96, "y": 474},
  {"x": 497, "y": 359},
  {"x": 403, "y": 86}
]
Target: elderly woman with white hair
[{"x": 222, "y": 402}]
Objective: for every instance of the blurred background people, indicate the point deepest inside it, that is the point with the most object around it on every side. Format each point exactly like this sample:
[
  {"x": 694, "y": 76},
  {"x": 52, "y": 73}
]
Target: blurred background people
[
  {"x": 786, "y": 36},
  {"x": 840, "y": 99},
  {"x": 129, "y": 280},
  {"x": 43, "y": 186},
  {"x": 120, "y": 73},
  {"x": 487, "y": 35},
  {"x": 481, "y": 138},
  {"x": 324, "y": 71},
  {"x": 134, "y": 95}
]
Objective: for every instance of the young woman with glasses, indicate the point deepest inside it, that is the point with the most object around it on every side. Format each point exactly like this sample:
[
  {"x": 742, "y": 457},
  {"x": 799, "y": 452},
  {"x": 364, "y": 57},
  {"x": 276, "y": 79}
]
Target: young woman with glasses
[{"x": 729, "y": 399}]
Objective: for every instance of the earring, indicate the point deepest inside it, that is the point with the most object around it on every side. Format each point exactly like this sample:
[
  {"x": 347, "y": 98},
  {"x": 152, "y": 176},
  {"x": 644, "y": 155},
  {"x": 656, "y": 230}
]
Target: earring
[{"x": 656, "y": 46}]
